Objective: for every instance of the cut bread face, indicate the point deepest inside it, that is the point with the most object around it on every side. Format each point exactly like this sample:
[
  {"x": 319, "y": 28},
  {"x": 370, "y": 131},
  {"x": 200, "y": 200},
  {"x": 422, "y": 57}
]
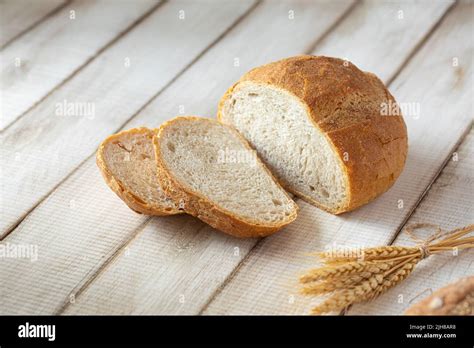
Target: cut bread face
[
  {"x": 127, "y": 163},
  {"x": 212, "y": 172},
  {"x": 297, "y": 152}
]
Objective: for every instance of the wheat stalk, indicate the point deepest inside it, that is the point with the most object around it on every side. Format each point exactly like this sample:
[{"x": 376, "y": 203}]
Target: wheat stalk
[{"x": 352, "y": 279}]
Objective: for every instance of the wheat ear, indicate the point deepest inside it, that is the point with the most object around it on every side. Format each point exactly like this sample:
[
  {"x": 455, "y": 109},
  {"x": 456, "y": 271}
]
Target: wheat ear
[{"x": 354, "y": 279}]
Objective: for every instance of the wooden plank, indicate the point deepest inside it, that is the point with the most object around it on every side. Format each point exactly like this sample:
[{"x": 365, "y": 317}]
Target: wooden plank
[
  {"x": 19, "y": 16},
  {"x": 203, "y": 269},
  {"x": 75, "y": 235},
  {"x": 97, "y": 228},
  {"x": 266, "y": 282},
  {"x": 394, "y": 26},
  {"x": 448, "y": 204},
  {"x": 48, "y": 55},
  {"x": 53, "y": 138}
]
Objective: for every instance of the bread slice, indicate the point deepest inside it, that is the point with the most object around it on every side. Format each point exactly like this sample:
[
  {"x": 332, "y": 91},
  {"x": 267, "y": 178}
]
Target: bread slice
[
  {"x": 454, "y": 299},
  {"x": 216, "y": 176},
  {"x": 127, "y": 163},
  {"x": 319, "y": 125}
]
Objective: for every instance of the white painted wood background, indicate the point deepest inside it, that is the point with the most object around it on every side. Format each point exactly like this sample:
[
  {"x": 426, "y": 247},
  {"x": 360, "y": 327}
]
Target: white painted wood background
[{"x": 143, "y": 62}]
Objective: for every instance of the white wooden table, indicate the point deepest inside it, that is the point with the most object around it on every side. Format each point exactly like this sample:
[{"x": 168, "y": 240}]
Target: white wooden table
[{"x": 132, "y": 63}]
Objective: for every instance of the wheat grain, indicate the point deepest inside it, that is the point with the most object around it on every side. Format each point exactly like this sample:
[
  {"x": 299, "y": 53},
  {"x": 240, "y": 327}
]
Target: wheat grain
[
  {"x": 395, "y": 278},
  {"x": 370, "y": 254},
  {"x": 333, "y": 272},
  {"x": 346, "y": 297},
  {"x": 360, "y": 286},
  {"x": 338, "y": 271},
  {"x": 330, "y": 285}
]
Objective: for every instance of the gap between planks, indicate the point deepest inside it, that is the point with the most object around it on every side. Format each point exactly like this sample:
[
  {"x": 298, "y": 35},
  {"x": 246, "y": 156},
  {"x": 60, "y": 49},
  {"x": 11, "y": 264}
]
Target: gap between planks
[
  {"x": 228, "y": 17},
  {"x": 413, "y": 52},
  {"x": 332, "y": 27},
  {"x": 421, "y": 43},
  {"x": 248, "y": 254},
  {"x": 341, "y": 13},
  {"x": 433, "y": 182},
  {"x": 35, "y": 23},
  {"x": 460, "y": 140},
  {"x": 136, "y": 232},
  {"x": 104, "y": 266},
  {"x": 65, "y": 81},
  {"x": 432, "y": 177},
  {"x": 308, "y": 50},
  {"x": 183, "y": 70},
  {"x": 102, "y": 49},
  {"x": 448, "y": 204},
  {"x": 186, "y": 68},
  {"x": 423, "y": 197}
]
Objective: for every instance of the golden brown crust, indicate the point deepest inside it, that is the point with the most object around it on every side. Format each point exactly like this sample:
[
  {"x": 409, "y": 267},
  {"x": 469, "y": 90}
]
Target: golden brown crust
[
  {"x": 454, "y": 299},
  {"x": 199, "y": 206},
  {"x": 345, "y": 105},
  {"x": 132, "y": 201}
]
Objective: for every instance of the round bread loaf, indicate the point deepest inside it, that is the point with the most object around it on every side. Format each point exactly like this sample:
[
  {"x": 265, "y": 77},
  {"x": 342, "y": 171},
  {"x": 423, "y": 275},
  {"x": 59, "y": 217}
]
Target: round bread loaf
[
  {"x": 454, "y": 299},
  {"x": 331, "y": 133}
]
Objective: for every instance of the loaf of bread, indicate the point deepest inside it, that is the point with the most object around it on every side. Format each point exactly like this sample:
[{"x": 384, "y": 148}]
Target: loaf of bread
[
  {"x": 211, "y": 172},
  {"x": 329, "y": 132},
  {"x": 454, "y": 299},
  {"x": 127, "y": 163}
]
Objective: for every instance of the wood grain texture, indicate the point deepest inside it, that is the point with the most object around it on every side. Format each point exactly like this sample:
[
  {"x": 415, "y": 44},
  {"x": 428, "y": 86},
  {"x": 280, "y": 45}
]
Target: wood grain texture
[
  {"x": 198, "y": 89},
  {"x": 176, "y": 264},
  {"x": 46, "y": 56},
  {"x": 83, "y": 224},
  {"x": 18, "y": 16},
  {"x": 45, "y": 145},
  {"x": 110, "y": 289},
  {"x": 394, "y": 25},
  {"x": 266, "y": 283},
  {"x": 169, "y": 268},
  {"x": 449, "y": 205},
  {"x": 65, "y": 257}
]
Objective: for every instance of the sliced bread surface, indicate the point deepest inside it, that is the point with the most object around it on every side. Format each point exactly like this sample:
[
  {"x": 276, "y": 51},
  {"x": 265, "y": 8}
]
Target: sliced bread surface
[
  {"x": 319, "y": 125},
  {"x": 216, "y": 176},
  {"x": 127, "y": 163}
]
